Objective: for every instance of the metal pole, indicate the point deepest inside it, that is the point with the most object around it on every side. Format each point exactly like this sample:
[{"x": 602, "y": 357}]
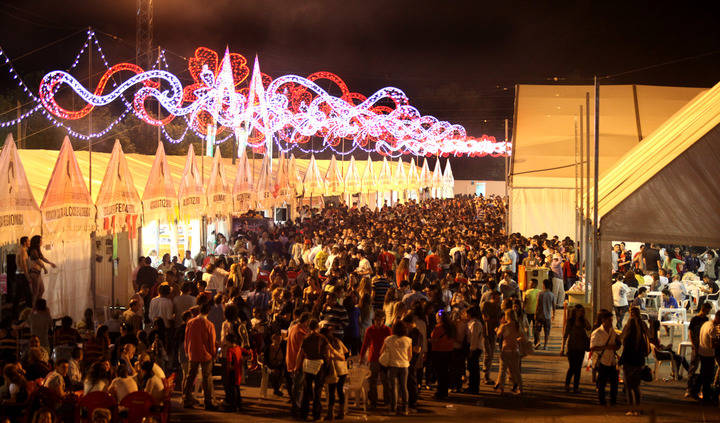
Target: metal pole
[
  {"x": 93, "y": 278},
  {"x": 596, "y": 225},
  {"x": 586, "y": 219},
  {"x": 507, "y": 181},
  {"x": 580, "y": 255},
  {"x": 19, "y": 124},
  {"x": 577, "y": 193}
]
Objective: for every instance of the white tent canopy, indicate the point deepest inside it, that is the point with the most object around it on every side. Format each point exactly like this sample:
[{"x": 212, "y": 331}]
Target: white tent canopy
[
  {"x": 191, "y": 191},
  {"x": 68, "y": 219},
  {"x": 219, "y": 197},
  {"x": 542, "y": 181},
  {"x": 333, "y": 179},
  {"x": 313, "y": 181},
  {"x": 448, "y": 181},
  {"x": 118, "y": 203},
  {"x": 352, "y": 183},
  {"x": 264, "y": 186},
  {"x": 159, "y": 198},
  {"x": 19, "y": 212},
  {"x": 244, "y": 197}
]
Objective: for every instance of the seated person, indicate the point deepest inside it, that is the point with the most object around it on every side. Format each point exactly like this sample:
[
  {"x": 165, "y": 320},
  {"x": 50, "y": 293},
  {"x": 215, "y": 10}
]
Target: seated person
[
  {"x": 123, "y": 384},
  {"x": 639, "y": 300},
  {"x": 151, "y": 383},
  {"x": 97, "y": 379},
  {"x": 677, "y": 289},
  {"x": 55, "y": 380},
  {"x": 708, "y": 288},
  {"x": 665, "y": 352}
]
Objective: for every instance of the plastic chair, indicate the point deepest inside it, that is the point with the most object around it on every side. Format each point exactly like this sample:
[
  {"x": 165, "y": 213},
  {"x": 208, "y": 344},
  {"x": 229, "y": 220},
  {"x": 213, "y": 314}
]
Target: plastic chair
[
  {"x": 357, "y": 386},
  {"x": 659, "y": 362},
  {"x": 684, "y": 347},
  {"x": 88, "y": 403},
  {"x": 138, "y": 405}
]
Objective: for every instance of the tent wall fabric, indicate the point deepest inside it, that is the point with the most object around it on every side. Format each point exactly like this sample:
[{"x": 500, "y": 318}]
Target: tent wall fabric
[
  {"x": 544, "y": 146},
  {"x": 244, "y": 196},
  {"x": 219, "y": 198},
  {"x": 118, "y": 203},
  {"x": 66, "y": 206},
  {"x": 264, "y": 186},
  {"x": 543, "y": 208},
  {"x": 19, "y": 212},
  {"x": 333, "y": 179},
  {"x": 352, "y": 182},
  {"x": 160, "y": 201},
  {"x": 191, "y": 192},
  {"x": 313, "y": 182}
]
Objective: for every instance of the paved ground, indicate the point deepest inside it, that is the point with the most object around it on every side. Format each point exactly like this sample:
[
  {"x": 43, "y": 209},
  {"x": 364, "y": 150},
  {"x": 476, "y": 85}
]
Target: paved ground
[{"x": 544, "y": 400}]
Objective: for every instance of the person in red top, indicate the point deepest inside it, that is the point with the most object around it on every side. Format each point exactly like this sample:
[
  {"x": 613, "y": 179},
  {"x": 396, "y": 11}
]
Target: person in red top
[
  {"x": 200, "y": 350},
  {"x": 387, "y": 260},
  {"x": 235, "y": 357},
  {"x": 432, "y": 264},
  {"x": 296, "y": 335},
  {"x": 442, "y": 340},
  {"x": 374, "y": 339}
]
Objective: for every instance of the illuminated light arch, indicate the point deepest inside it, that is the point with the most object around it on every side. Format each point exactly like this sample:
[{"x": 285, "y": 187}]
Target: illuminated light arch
[{"x": 287, "y": 111}]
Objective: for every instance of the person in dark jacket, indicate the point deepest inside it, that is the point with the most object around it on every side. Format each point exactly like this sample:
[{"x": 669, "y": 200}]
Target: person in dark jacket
[{"x": 635, "y": 348}]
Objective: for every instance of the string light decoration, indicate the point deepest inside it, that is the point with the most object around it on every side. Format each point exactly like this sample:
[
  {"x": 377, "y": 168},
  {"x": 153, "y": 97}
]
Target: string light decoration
[{"x": 287, "y": 112}]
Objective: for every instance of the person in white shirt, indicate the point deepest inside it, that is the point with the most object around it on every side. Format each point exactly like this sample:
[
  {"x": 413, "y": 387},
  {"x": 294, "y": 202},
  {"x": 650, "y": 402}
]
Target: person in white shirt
[
  {"x": 603, "y": 345},
  {"x": 217, "y": 277},
  {"x": 662, "y": 274},
  {"x": 123, "y": 384},
  {"x": 161, "y": 306},
  {"x": 55, "y": 380},
  {"x": 151, "y": 383},
  {"x": 677, "y": 289},
  {"x": 254, "y": 267},
  {"x": 620, "y": 302},
  {"x": 364, "y": 268},
  {"x": 475, "y": 339},
  {"x": 412, "y": 263},
  {"x": 189, "y": 262}
]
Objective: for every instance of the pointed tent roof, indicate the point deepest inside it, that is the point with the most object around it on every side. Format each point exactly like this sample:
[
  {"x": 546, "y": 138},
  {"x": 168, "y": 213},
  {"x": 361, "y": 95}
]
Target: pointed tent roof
[
  {"x": 384, "y": 178},
  {"x": 352, "y": 178},
  {"x": 218, "y": 191},
  {"x": 282, "y": 191},
  {"x": 437, "y": 175},
  {"x": 413, "y": 176},
  {"x": 333, "y": 179},
  {"x": 159, "y": 198},
  {"x": 295, "y": 180},
  {"x": 243, "y": 189},
  {"x": 399, "y": 177},
  {"x": 191, "y": 192},
  {"x": 313, "y": 181},
  {"x": 67, "y": 206},
  {"x": 369, "y": 182},
  {"x": 679, "y": 157},
  {"x": 264, "y": 185},
  {"x": 19, "y": 212},
  {"x": 425, "y": 175},
  {"x": 118, "y": 200},
  {"x": 448, "y": 181}
]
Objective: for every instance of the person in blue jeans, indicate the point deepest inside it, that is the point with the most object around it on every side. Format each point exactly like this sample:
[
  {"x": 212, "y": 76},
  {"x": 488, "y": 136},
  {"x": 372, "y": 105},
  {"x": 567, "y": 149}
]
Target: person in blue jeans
[{"x": 395, "y": 355}]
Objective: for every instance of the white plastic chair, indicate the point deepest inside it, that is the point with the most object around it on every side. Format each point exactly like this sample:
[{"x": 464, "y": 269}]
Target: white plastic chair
[
  {"x": 658, "y": 363},
  {"x": 356, "y": 386}
]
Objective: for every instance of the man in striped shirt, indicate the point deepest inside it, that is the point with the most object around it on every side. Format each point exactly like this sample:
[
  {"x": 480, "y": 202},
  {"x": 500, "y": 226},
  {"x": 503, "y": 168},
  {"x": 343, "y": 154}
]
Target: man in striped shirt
[{"x": 336, "y": 315}]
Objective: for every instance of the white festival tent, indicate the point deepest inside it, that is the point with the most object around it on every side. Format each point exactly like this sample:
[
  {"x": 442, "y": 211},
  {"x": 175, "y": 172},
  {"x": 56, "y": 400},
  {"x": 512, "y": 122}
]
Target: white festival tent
[
  {"x": 263, "y": 188},
  {"x": 545, "y": 151},
  {"x": 448, "y": 188},
  {"x": 333, "y": 179},
  {"x": 369, "y": 186},
  {"x": 413, "y": 181},
  {"x": 351, "y": 182},
  {"x": 244, "y": 196},
  {"x": 385, "y": 184},
  {"x": 283, "y": 192},
  {"x": 436, "y": 183},
  {"x": 118, "y": 213},
  {"x": 68, "y": 219},
  {"x": 19, "y": 212},
  {"x": 425, "y": 179},
  {"x": 160, "y": 206},
  {"x": 313, "y": 183},
  {"x": 192, "y": 202},
  {"x": 295, "y": 180},
  {"x": 400, "y": 182},
  {"x": 219, "y": 198}
]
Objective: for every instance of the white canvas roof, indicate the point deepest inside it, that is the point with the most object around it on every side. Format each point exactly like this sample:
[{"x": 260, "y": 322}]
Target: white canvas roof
[
  {"x": 244, "y": 196},
  {"x": 19, "y": 212},
  {"x": 333, "y": 179},
  {"x": 67, "y": 206},
  {"x": 400, "y": 180},
  {"x": 352, "y": 178},
  {"x": 369, "y": 181},
  {"x": 159, "y": 198},
  {"x": 118, "y": 203},
  {"x": 313, "y": 181},
  {"x": 219, "y": 196},
  {"x": 191, "y": 192}
]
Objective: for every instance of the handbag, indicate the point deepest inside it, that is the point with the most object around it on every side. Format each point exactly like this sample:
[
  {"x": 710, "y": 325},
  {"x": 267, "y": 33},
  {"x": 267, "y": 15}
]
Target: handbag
[
  {"x": 331, "y": 375},
  {"x": 596, "y": 365},
  {"x": 341, "y": 367},
  {"x": 646, "y": 374},
  {"x": 312, "y": 366}
]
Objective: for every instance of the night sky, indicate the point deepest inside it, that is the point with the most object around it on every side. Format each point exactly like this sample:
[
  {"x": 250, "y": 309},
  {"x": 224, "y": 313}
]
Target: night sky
[{"x": 456, "y": 60}]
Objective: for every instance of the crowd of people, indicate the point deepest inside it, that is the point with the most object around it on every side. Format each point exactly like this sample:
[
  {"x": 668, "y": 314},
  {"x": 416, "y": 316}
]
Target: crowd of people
[{"x": 420, "y": 295}]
